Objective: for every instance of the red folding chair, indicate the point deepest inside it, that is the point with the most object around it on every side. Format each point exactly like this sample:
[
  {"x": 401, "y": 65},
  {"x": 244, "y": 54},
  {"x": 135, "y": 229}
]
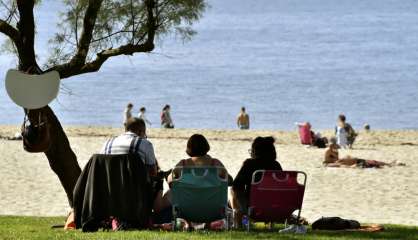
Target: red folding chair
[{"x": 275, "y": 195}]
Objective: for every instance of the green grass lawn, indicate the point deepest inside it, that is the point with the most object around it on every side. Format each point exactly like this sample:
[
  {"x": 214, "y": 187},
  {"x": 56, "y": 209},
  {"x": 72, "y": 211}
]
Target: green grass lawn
[{"x": 40, "y": 228}]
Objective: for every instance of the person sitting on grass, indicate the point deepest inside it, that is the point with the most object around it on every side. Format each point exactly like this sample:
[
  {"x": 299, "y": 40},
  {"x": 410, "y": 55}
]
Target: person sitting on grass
[
  {"x": 197, "y": 149},
  {"x": 134, "y": 140},
  {"x": 263, "y": 157},
  {"x": 162, "y": 205},
  {"x": 332, "y": 159}
]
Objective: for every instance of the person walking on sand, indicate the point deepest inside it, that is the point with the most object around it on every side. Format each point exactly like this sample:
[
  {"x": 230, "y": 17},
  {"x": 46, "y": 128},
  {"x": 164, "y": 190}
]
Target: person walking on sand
[
  {"x": 243, "y": 119},
  {"x": 344, "y": 132},
  {"x": 166, "y": 121},
  {"x": 142, "y": 116},
  {"x": 127, "y": 114}
]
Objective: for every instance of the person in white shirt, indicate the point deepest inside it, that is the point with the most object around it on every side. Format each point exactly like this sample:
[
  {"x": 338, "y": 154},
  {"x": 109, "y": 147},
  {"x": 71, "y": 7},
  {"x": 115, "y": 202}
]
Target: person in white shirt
[
  {"x": 142, "y": 116},
  {"x": 341, "y": 136},
  {"x": 127, "y": 114},
  {"x": 344, "y": 132},
  {"x": 134, "y": 140}
]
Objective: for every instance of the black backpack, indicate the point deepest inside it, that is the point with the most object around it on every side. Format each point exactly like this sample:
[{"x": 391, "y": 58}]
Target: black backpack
[{"x": 335, "y": 223}]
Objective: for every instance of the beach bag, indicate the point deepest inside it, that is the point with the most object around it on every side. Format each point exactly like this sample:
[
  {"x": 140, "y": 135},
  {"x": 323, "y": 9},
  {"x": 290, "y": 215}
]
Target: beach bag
[
  {"x": 334, "y": 223},
  {"x": 36, "y": 136},
  {"x": 320, "y": 142}
]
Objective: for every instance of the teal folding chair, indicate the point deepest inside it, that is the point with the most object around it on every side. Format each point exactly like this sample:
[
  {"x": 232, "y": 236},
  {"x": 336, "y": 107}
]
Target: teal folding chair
[{"x": 200, "y": 195}]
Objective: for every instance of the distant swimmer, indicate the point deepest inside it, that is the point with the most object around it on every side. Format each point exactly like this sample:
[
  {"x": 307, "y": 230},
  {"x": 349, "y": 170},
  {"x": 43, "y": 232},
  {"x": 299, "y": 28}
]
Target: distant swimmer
[
  {"x": 243, "y": 119},
  {"x": 367, "y": 127}
]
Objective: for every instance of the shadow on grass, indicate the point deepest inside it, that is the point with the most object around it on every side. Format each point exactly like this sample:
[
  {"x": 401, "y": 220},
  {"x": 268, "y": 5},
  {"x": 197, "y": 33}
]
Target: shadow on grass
[
  {"x": 40, "y": 228},
  {"x": 390, "y": 232}
]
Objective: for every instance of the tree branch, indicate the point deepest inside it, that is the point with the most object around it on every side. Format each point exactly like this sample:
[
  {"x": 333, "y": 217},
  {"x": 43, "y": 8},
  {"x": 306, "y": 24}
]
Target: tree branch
[
  {"x": 11, "y": 32},
  {"x": 12, "y": 11},
  {"x": 151, "y": 20},
  {"x": 87, "y": 34},
  {"x": 26, "y": 27},
  {"x": 70, "y": 69},
  {"x": 101, "y": 58},
  {"x": 110, "y": 35},
  {"x": 133, "y": 22},
  {"x": 83, "y": 45}
]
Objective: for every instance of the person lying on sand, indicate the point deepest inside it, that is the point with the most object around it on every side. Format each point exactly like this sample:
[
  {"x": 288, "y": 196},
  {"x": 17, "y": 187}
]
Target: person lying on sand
[
  {"x": 332, "y": 159},
  {"x": 17, "y": 136}
]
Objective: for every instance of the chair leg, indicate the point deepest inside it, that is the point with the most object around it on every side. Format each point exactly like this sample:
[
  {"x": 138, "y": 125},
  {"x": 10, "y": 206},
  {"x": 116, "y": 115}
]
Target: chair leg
[
  {"x": 271, "y": 226},
  {"x": 249, "y": 219},
  {"x": 174, "y": 222},
  {"x": 229, "y": 218},
  {"x": 298, "y": 217},
  {"x": 227, "y": 221}
]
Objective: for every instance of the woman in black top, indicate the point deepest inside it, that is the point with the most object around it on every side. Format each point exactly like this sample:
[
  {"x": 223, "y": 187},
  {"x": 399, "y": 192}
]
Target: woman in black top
[{"x": 263, "y": 157}]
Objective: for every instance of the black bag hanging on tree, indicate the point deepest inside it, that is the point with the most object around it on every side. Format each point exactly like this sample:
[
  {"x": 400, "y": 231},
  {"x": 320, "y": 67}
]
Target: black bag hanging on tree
[{"x": 36, "y": 137}]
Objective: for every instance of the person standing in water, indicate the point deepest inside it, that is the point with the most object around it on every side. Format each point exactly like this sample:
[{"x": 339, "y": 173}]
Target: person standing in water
[
  {"x": 243, "y": 119},
  {"x": 166, "y": 121},
  {"x": 142, "y": 116}
]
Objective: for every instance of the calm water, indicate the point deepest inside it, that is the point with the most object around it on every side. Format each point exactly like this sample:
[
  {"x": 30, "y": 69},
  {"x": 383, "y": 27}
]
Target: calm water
[{"x": 285, "y": 60}]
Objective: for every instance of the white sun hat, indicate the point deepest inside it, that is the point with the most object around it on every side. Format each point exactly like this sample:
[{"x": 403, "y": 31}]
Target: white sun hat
[{"x": 32, "y": 91}]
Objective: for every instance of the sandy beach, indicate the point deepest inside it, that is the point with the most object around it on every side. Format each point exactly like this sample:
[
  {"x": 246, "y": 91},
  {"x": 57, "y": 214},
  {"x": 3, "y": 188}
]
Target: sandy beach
[{"x": 388, "y": 195}]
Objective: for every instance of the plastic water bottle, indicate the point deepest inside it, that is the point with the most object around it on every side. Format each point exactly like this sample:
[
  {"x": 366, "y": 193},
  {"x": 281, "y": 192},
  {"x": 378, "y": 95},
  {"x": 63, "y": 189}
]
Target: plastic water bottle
[
  {"x": 245, "y": 221},
  {"x": 178, "y": 224}
]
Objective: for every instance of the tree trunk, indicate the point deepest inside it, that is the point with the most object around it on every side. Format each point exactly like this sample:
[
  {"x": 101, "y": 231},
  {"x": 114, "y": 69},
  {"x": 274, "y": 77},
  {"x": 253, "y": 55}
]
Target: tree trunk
[{"x": 61, "y": 157}]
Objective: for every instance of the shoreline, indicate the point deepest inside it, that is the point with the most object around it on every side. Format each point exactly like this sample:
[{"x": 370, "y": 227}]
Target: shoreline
[
  {"x": 373, "y": 137},
  {"x": 30, "y": 188}
]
